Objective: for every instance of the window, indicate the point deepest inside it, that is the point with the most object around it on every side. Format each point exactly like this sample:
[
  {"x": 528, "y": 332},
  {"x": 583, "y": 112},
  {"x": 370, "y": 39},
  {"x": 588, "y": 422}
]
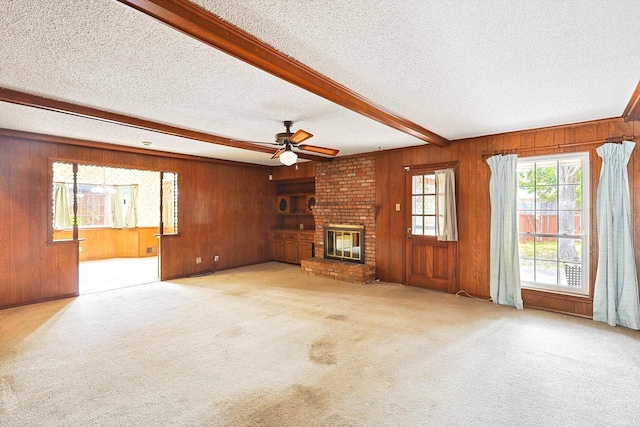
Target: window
[
  {"x": 423, "y": 205},
  {"x": 94, "y": 205},
  {"x": 111, "y": 197},
  {"x": 553, "y": 222}
]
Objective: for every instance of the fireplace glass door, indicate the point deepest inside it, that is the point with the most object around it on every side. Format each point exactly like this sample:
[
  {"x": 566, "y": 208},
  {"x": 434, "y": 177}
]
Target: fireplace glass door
[{"x": 344, "y": 243}]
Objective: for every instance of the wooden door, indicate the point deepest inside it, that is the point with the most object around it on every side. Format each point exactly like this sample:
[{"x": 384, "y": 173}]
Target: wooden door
[
  {"x": 429, "y": 263},
  {"x": 306, "y": 250},
  {"x": 277, "y": 247},
  {"x": 291, "y": 253}
]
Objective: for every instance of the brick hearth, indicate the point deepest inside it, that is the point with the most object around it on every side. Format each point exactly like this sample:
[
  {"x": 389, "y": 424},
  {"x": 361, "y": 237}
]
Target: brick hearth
[{"x": 341, "y": 270}]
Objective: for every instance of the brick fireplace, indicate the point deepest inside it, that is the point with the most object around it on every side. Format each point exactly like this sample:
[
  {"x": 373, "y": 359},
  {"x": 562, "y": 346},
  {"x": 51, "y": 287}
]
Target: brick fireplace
[{"x": 345, "y": 194}]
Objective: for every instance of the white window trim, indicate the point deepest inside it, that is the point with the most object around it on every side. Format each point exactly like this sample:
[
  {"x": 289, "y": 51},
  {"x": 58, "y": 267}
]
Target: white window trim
[{"x": 586, "y": 228}]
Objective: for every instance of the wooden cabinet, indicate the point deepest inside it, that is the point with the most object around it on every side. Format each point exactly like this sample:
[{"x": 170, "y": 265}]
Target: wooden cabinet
[
  {"x": 306, "y": 250},
  {"x": 292, "y": 238},
  {"x": 291, "y": 254},
  {"x": 292, "y": 246},
  {"x": 277, "y": 246},
  {"x": 305, "y": 246}
]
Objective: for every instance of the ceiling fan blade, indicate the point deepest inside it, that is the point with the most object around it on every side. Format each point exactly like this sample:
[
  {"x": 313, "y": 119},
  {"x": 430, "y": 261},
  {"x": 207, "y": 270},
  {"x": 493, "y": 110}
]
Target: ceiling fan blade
[
  {"x": 319, "y": 150},
  {"x": 299, "y": 136},
  {"x": 277, "y": 153}
]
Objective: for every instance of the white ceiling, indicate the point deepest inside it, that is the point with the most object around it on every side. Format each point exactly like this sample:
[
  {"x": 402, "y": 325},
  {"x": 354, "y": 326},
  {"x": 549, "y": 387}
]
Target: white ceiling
[{"x": 458, "y": 68}]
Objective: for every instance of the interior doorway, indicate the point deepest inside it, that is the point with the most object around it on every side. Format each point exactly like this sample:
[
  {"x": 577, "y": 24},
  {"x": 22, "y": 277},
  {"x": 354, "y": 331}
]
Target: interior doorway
[{"x": 115, "y": 214}]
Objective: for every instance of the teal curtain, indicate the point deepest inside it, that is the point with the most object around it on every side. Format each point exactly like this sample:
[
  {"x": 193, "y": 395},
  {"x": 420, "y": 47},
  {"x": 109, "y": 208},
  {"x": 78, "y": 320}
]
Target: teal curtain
[
  {"x": 131, "y": 220},
  {"x": 504, "y": 259},
  {"x": 446, "y": 205},
  {"x": 615, "y": 298},
  {"x": 61, "y": 213}
]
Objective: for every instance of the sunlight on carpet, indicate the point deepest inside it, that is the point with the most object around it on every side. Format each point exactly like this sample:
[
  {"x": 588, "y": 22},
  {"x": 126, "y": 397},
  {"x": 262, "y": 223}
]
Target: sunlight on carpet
[{"x": 114, "y": 273}]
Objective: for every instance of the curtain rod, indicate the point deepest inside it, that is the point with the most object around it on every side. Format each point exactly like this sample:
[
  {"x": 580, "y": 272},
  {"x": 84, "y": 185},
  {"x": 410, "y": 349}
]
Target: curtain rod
[{"x": 615, "y": 140}]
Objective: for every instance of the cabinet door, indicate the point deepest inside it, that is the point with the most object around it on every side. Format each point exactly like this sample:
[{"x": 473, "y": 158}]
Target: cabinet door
[
  {"x": 277, "y": 253},
  {"x": 291, "y": 251},
  {"x": 306, "y": 250}
]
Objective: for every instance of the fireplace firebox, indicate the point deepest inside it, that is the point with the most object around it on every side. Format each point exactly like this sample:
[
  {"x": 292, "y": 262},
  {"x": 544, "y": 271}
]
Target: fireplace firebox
[{"x": 344, "y": 242}]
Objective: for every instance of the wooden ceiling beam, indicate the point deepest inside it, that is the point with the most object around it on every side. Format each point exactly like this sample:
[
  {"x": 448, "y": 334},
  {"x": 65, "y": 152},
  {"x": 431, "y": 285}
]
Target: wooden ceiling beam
[
  {"x": 35, "y": 101},
  {"x": 632, "y": 112},
  {"x": 201, "y": 25},
  {"x": 32, "y": 136}
]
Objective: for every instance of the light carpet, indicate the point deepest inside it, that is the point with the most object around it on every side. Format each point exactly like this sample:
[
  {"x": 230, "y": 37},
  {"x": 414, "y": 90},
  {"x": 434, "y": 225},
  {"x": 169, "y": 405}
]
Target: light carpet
[
  {"x": 114, "y": 273},
  {"x": 266, "y": 345}
]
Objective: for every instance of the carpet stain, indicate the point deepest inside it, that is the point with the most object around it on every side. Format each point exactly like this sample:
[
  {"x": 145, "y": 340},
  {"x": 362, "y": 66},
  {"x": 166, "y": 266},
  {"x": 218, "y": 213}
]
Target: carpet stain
[
  {"x": 233, "y": 332},
  {"x": 237, "y": 292},
  {"x": 322, "y": 352},
  {"x": 339, "y": 317},
  {"x": 288, "y": 407},
  {"x": 8, "y": 398}
]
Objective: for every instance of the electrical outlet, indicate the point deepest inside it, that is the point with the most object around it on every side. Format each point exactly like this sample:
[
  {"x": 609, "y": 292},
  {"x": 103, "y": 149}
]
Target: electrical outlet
[
  {"x": 216, "y": 258},
  {"x": 198, "y": 260}
]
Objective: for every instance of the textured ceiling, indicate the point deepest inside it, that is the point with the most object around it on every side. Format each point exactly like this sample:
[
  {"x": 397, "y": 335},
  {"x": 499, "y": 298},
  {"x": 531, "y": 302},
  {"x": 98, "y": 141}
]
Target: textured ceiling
[{"x": 458, "y": 68}]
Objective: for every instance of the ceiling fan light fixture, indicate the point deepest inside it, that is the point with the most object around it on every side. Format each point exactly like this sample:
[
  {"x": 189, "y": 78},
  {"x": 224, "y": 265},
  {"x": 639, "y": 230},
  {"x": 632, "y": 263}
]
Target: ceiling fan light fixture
[{"x": 288, "y": 157}]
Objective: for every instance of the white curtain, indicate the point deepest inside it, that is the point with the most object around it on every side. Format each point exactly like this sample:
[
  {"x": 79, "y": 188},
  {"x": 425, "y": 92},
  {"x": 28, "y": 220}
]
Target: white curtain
[
  {"x": 446, "y": 205},
  {"x": 132, "y": 213},
  {"x": 116, "y": 207},
  {"x": 61, "y": 213},
  {"x": 615, "y": 298},
  {"x": 504, "y": 263}
]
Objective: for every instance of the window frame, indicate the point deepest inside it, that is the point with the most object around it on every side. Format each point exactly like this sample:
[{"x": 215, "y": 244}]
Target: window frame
[
  {"x": 584, "y": 234},
  {"x": 423, "y": 215}
]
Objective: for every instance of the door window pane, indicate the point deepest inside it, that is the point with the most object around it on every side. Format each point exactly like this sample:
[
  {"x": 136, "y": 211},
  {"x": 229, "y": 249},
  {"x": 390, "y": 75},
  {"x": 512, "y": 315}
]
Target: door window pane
[
  {"x": 417, "y": 184},
  {"x": 417, "y": 205},
  {"x": 418, "y": 225},
  {"x": 430, "y": 205},
  {"x": 423, "y": 204}
]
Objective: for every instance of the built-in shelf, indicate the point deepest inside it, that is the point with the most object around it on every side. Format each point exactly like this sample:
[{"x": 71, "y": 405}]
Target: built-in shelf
[
  {"x": 295, "y": 201},
  {"x": 293, "y": 236},
  {"x": 291, "y": 204}
]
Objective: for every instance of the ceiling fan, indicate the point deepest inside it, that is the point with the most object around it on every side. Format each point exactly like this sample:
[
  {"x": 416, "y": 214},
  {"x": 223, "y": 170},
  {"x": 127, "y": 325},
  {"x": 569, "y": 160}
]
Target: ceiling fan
[{"x": 289, "y": 140}]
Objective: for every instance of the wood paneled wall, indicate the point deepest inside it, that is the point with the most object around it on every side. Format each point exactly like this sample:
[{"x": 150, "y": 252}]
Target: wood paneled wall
[
  {"x": 103, "y": 243},
  {"x": 147, "y": 239},
  {"x": 30, "y": 268},
  {"x": 225, "y": 209},
  {"x": 303, "y": 170},
  {"x": 474, "y": 202}
]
